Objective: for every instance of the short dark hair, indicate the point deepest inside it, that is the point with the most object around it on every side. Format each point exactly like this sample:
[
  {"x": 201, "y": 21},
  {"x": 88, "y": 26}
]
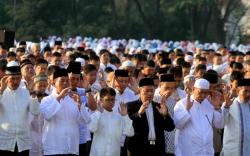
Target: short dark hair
[
  {"x": 103, "y": 51},
  {"x": 56, "y": 54},
  {"x": 41, "y": 61},
  {"x": 107, "y": 91},
  {"x": 94, "y": 58},
  {"x": 236, "y": 75},
  {"x": 186, "y": 65},
  {"x": 200, "y": 67},
  {"x": 89, "y": 68}
]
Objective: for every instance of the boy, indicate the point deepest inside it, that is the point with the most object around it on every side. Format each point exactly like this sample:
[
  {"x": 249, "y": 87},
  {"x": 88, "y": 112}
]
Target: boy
[{"x": 106, "y": 140}]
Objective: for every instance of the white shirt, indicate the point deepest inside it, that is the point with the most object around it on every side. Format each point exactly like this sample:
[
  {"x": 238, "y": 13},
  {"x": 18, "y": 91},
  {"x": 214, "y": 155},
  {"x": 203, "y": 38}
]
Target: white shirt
[
  {"x": 194, "y": 135},
  {"x": 103, "y": 67},
  {"x": 127, "y": 96},
  {"x": 108, "y": 128},
  {"x": 150, "y": 119},
  {"x": 15, "y": 106},
  {"x": 61, "y": 126}
]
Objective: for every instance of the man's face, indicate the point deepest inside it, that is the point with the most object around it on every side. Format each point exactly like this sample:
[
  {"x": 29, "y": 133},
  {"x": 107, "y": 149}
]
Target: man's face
[
  {"x": 239, "y": 59},
  {"x": 200, "y": 94},
  {"x": 56, "y": 61},
  {"x": 167, "y": 88},
  {"x": 91, "y": 77},
  {"x": 61, "y": 83},
  {"x": 74, "y": 80},
  {"x": 28, "y": 71},
  {"x": 185, "y": 71},
  {"x": 121, "y": 83},
  {"x": 217, "y": 60},
  {"x": 200, "y": 73},
  {"x": 147, "y": 93},
  {"x": 13, "y": 81},
  {"x": 244, "y": 93},
  {"x": 41, "y": 86},
  {"x": 148, "y": 70},
  {"x": 41, "y": 69},
  {"x": 105, "y": 58}
]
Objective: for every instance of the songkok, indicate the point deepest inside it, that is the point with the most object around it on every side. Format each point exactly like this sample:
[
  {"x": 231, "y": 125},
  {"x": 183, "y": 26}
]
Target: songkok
[
  {"x": 74, "y": 67},
  {"x": 167, "y": 78},
  {"x": 60, "y": 72},
  {"x": 25, "y": 62},
  {"x": 121, "y": 73},
  {"x": 127, "y": 64},
  {"x": 244, "y": 82},
  {"x": 201, "y": 84},
  {"x": 188, "y": 58},
  {"x": 13, "y": 68},
  {"x": 188, "y": 78},
  {"x": 212, "y": 78},
  {"x": 146, "y": 82},
  {"x": 39, "y": 78},
  {"x": 162, "y": 70},
  {"x": 58, "y": 42}
]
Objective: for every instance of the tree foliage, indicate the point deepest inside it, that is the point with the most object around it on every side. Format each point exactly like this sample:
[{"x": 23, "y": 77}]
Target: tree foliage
[{"x": 163, "y": 19}]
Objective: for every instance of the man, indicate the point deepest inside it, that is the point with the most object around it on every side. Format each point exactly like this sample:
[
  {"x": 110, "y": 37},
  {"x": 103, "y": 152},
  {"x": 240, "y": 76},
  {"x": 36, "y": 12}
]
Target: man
[
  {"x": 63, "y": 112},
  {"x": 74, "y": 72},
  {"x": 150, "y": 119},
  {"x": 41, "y": 67},
  {"x": 236, "y": 140},
  {"x": 27, "y": 71},
  {"x": 105, "y": 60},
  {"x": 39, "y": 88},
  {"x": 194, "y": 119},
  {"x": 123, "y": 95},
  {"x": 15, "y": 104},
  {"x": 165, "y": 94}
]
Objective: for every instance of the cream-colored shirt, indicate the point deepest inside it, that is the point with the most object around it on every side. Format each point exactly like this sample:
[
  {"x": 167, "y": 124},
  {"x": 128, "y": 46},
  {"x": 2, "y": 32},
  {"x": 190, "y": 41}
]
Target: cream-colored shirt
[{"x": 15, "y": 106}]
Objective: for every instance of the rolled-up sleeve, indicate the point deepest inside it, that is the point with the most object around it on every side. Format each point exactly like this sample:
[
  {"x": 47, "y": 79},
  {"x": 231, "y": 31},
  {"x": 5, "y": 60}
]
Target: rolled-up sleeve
[{"x": 49, "y": 107}]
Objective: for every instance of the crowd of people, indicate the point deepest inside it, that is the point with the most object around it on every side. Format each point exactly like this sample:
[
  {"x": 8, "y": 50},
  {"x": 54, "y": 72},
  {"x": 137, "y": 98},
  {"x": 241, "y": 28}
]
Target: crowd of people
[{"x": 106, "y": 97}]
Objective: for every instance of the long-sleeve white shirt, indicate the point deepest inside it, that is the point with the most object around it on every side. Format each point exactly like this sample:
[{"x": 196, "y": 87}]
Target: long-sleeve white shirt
[
  {"x": 15, "y": 106},
  {"x": 194, "y": 135},
  {"x": 108, "y": 128},
  {"x": 61, "y": 126}
]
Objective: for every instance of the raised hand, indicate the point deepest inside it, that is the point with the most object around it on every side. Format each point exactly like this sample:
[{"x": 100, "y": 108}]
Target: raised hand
[
  {"x": 76, "y": 97},
  {"x": 63, "y": 93},
  {"x": 123, "y": 109},
  {"x": 215, "y": 99},
  {"x": 143, "y": 107},
  {"x": 3, "y": 83},
  {"x": 189, "y": 103},
  {"x": 163, "y": 110}
]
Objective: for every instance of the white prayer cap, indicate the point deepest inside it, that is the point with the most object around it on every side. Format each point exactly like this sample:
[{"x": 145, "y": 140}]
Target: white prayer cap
[
  {"x": 81, "y": 60},
  {"x": 188, "y": 58},
  {"x": 127, "y": 63},
  {"x": 12, "y": 63},
  {"x": 201, "y": 84},
  {"x": 188, "y": 78},
  {"x": 12, "y": 49}
]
